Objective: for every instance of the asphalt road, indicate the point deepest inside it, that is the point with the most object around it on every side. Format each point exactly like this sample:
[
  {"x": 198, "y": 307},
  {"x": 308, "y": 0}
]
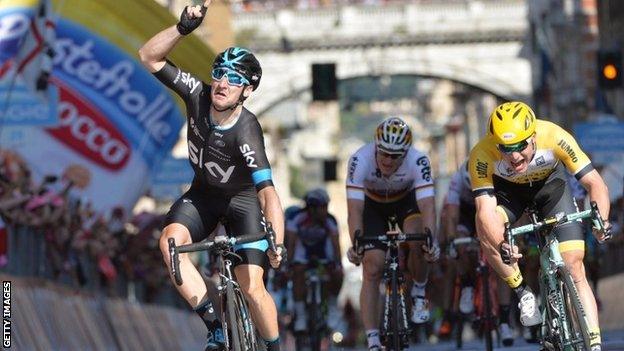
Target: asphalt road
[{"x": 612, "y": 341}]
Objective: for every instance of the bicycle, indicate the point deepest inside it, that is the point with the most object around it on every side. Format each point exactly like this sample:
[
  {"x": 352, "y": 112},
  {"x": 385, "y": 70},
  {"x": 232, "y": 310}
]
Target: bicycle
[
  {"x": 236, "y": 318},
  {"x": 394, "y": 329},
  {"x": 316, "y": 306},
  {"x": 564, "y": 325},
  {"x": 485, "y": 297}
]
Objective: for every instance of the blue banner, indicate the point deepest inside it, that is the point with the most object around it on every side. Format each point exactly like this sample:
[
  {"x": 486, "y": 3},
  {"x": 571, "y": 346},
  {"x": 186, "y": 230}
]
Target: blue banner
[
  {"x": 607, "y": 136},
  {"x": 174, "y": 171}
]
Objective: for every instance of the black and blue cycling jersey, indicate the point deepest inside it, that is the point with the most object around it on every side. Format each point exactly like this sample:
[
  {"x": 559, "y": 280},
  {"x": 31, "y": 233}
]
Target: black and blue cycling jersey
[
  {"x": 230, "y": 167},
  {"x": 226, "y": 159}
]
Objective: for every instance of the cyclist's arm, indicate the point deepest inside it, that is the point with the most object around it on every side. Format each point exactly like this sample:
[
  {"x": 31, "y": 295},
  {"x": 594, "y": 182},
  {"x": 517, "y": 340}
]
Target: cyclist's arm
[
  {"x": 597, "y": 191},
  {"x": 291, "y": 237},
  {"x": 291, "y": 243},
  {"x": 334, "y": 237},
  {"x": 450, "y": 220},
  {"x": 427, "y": 209},
  {"x": 355, "y": 209},
  {"x": 154, "y": 52},
  {"x": 355, "y": 194},
  {"x": 272, "y": 209},
  {"x": 487, "y": 217}
]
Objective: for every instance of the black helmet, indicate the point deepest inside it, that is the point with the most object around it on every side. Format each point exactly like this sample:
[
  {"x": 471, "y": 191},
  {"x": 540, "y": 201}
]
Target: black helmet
[
  {"x": 316, "y": 197},
  {"x": 242, "y": 61}
]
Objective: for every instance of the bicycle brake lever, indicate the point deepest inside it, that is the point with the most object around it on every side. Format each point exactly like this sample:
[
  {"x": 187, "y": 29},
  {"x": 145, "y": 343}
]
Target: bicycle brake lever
[
  {"x": 506, "y": 255},
  {"x": 597, "y": 220},
  {"x": 429, "y": 240},
  {"x": 271, "y": 236},
  {"x": 174, "y": 262}
]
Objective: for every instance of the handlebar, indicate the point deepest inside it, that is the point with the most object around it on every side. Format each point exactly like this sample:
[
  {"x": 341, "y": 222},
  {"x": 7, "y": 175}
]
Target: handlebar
[
  {"x": 218, "y": 242},
  {"x": 553, "y": 221},
  {"x": 465, "y": 241},
  {"x": 392, "y": 238}
]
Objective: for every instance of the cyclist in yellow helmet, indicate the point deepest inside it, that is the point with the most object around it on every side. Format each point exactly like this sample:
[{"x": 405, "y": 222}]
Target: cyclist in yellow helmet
[{"x": 522, "y": 161}]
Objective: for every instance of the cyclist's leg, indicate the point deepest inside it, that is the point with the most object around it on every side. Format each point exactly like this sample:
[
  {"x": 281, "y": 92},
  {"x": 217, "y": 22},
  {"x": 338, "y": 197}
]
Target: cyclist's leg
[
  {"x": 468, "y": 260},
  {"x": 512, "y": 199},
  {"x": 375, "y": 222},
  {"x": 185, "y": 224},
  {"x": 555, "y": 197},
  {"x": 373, "y": 265},
  {"x": 336, "y": 273},
  {"x": 299, "y": 287},
  {"x": 419, "y": 269},
  {"x": 244, "y": 216}
]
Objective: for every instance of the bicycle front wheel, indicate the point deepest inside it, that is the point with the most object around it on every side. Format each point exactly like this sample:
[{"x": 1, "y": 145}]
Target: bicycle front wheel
[
  {"x": 575, "y": 317},
  {"x": 395, "y": 314},
  {"x": 241, "y": 329}
]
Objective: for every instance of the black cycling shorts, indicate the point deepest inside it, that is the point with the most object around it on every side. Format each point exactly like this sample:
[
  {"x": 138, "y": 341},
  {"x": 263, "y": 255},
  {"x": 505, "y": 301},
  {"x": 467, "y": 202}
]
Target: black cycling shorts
[
  {"x": 200, "y": 212},
  {"x": 549, "y": 197},
  {"x": 467, "y": 212},
  {"x": 376, "y": 215}
]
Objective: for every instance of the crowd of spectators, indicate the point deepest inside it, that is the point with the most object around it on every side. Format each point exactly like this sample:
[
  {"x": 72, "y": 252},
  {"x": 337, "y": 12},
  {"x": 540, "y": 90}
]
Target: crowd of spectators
[{"x": 102, "y": 252}]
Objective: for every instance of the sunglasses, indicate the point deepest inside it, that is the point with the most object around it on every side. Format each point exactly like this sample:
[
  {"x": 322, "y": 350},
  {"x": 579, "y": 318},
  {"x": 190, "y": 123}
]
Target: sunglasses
[
  {"x": 234, "y": 78},
  {"x": 391, "y": 156},
  {"x": 517, "y": 147}
]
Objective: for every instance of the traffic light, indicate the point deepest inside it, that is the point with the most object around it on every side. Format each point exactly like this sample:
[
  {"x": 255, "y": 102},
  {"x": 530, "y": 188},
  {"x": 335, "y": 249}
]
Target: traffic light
[
  {"x": 324, "y": 82},
  {"x": 610, "y": 69}
]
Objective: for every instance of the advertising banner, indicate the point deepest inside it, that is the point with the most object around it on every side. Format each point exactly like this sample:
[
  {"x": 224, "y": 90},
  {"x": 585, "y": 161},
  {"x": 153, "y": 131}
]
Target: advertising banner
[
  {"x": 114, "y": 121},
  {"x": 26, "y": 33}
]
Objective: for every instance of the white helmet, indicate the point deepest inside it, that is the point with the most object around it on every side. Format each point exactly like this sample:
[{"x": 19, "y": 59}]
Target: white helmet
[{"x": 393, "y": 136}]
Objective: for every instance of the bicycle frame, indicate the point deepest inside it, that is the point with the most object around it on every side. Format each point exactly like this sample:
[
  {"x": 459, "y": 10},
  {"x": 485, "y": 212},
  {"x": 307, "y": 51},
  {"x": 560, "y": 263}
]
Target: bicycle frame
[
  {"x": 233, "y": 305},
  {"x": 316, "y": 308},
  {"x": 485, "y": 316},
  {"x": 395, "y": 307},
  {"x": 554, "y": 307},
  {"x": 394, "y": 281}
]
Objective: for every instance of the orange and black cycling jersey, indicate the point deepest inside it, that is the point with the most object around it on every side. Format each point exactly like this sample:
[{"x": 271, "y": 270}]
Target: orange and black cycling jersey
[{"x": 552, "y": 144}]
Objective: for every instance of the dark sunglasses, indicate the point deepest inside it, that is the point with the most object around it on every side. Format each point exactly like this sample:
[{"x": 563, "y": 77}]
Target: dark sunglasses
[
  {"x": 387, "y": 155},
  {"x": 234, "y": 78},
  {"x": 517, "y": 147}
]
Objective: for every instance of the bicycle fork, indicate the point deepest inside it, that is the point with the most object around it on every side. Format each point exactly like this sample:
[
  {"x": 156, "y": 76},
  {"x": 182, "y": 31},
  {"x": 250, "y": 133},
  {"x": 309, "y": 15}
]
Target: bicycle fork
[
  {"x": 389, "y": 310},
  {"x": 551, "y": 293}
]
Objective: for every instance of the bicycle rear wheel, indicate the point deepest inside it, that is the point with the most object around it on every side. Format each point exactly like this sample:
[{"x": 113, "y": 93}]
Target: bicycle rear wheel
[
  {"x": 241, "y": 328},
  {"x": 488, "y": 319},
  {"x": 577, "y": 326}
]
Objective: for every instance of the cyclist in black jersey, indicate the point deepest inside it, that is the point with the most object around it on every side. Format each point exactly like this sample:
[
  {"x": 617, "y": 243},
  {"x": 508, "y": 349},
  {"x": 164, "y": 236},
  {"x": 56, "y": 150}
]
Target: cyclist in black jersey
[{"x": 232, "y": 182}]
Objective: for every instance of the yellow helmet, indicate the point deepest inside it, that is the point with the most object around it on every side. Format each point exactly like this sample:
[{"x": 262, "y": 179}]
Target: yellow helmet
[{"x": 511, "y": 123}]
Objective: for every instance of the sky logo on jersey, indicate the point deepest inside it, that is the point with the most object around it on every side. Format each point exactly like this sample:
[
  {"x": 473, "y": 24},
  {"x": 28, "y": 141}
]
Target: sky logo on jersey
[
  {"x": 248, "y": 155},
  {"x": 88, "y": 132}
]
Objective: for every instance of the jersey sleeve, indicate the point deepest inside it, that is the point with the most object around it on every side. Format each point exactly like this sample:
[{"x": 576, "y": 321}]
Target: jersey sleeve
[
  {"x": 481, "y": 168},
  {"x": 331, "y": 226},
  {"x": 253, "y": 152},
  {"x": 423, "y": 179},
  {"x": 183, "y": 83},
  {"x": 291, "y": 224},
  {"x": 568, "y": 151},
  {"x": 355, "y": 177},
  {"x": 452, "y": 197}
]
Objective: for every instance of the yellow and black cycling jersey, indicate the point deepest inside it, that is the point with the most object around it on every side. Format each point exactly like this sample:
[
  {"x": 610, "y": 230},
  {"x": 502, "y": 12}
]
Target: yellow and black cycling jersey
[{"x": 552, "y": 144}]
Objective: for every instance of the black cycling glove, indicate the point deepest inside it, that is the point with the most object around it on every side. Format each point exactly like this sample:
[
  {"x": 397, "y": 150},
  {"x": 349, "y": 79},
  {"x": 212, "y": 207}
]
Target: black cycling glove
[{"x": 187, "y": 24}]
